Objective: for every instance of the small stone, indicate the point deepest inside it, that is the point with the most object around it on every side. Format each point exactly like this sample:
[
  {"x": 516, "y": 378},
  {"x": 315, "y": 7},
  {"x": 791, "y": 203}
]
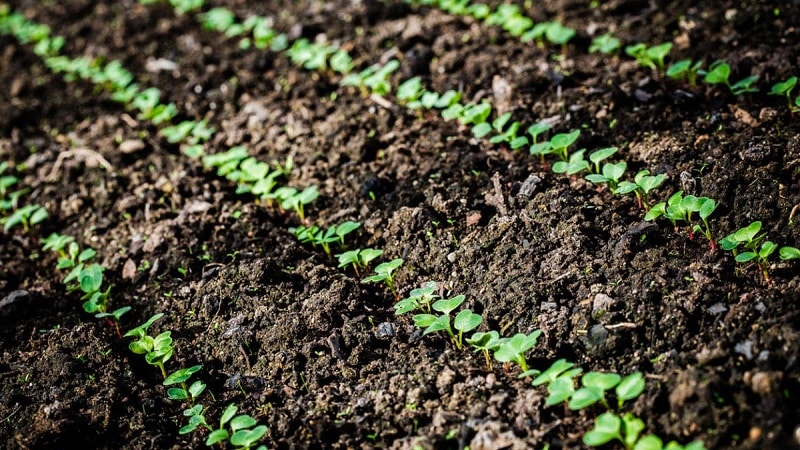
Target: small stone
[
  {"x": 601, "y": 304},
  {"x": 131, "y": 146},
  {"x": 745, "y": 349}
]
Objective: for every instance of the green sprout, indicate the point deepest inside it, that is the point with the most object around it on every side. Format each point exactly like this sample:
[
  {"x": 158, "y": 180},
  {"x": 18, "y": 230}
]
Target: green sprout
[
  {"x": 651, "y": 57},
  {"x": 641, "y": 186},
  {"x": 784, "y": 89},
  {"x": 311, "y": 56},
  {"x": 358, "y": 258},
  {"x": 514, "y": 348},
  {"x": 374, "y": 78},
  {"x": 27, "y": 216},
  {"x": 559, "y": 143},
  {"x": 384, "y": 273},
  {"x": 559, "y": 378},
  {"x": 241, "y": 431},
  {"x": 719, "y": 73},
  {"x": 601, "y": 155},
  {"x": 503, "y": 135},
  {"x": 218, "y": 19},
  {"x": 188, "y": 393},
  {"x": 419, "y": 298},
  {"x": 485, "y": 342},
  {"x": 756, "y": 248},
  {"x": 559, "y": 34},
  {"x": 595, "y": 384},
  {"x": 684, "y": 70},
  {"x": 185, "y": 6},
  {"x": 574, "y": 166},
  {"x": 475, "y": 114},
  {"x": 605, "y": 44},
  {"x": 297, "y": 200},
  {"x": 157, "y": 349},
  {"x": 463, "y": 322},
  {"x": 627, "y": 430},
  {"x": 679, "y": 208},
  {"x": 611, "y": 175}
]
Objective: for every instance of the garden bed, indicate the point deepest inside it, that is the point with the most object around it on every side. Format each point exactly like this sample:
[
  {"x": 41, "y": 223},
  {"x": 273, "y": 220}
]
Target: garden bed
[{"x": 308, "y": 348}]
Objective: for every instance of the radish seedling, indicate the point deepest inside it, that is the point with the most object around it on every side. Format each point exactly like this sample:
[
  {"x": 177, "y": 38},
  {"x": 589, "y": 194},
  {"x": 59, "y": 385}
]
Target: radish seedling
[
  {"x": 358, "y": 258},
  {"x": 679, "y": 208},
  {"x": 463, "y": 322},
  {"x": 627, "y": 430},
  {"x": 560, "y": 143},
  {"x": 719, "y": 73},
  {"x": 651, "y": 57},
  {"x": 641, "y": 186},
  {"x": 611, "y": 175},
  {"x": 514, "y": 349},
  {"x": 157, "y": 350},
  {"x": 784, "y": 89},
  {"x": 241, "y": 431},
  {"x": 27, "y": 216},
  {"x": 384, "y": 272},
  {"x": 684, "y": 70},
  {"x": 184, "y": 392},
  {"x": 593, "y": 389},
  {"x": 574, "y": 166},
  {"x": 419, "y": 298},
  {"x": 605, "y": 44},
  {"x": 485, "y": 342},
  {"x": 559, "y": 378},
  {"x": 296, "y": 200}
]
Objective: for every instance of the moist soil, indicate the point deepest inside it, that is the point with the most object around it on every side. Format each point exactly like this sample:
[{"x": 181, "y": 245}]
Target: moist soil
[{"x": 307, "y": 348}]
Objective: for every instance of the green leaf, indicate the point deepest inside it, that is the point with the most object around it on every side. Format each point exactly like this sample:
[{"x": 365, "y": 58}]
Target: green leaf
[
  {"x": 600, "y": 380},
  {"x": 197, "y": 388},
  {"x": 246, "y": 438},
  {"x": 564, "y": 140},
  {"x": 228, "y": 414},
  {"x": 216, "y": 437},
  {"x": 719, "y": 72},
  {"x": 630, "y": 387},
  {"x": 745, "y": 257},
  {"x": 466, "y": 321},
  {"x": 585, "y": 397},
  {"x": 142, "y": 329},
  {"x": 767, "y": 249},
  {"x": 553, "y": 372},
  {"x": 446, "y": 306},
  {"x": 559, "y": 390},
  {"x": 606, "y": 428},
  {"x": 789, "y": 253},
  {"x": 632, "y": 427},
  {"x": 442, "y": 323},
  {"x": 177, "y": 394},
  {"x": 649, "y": 442},
  {"x": 242, "y": 421},
  {"x": 181, "y": 375},
  {"x": 481, "y": 130},
  {"x": 424, "y": 320}
]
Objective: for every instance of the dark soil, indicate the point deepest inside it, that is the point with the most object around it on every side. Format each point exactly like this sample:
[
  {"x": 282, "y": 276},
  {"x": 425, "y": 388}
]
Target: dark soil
[{"x": 319, "y": 357}]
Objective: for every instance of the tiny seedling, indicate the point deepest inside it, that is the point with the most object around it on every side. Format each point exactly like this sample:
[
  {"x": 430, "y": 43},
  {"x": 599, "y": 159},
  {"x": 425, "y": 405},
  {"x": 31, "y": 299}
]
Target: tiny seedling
[
  {"x": 27, "y": 216},
  {"x": 514, "y": 349},
  {"x": 463, "y": 322},
  {"x": 641, "y": 186},
  {"x": 418, "y": 299},
  {"x": 574, "y": 166},
  {"x": 485, "y": 342},
  {"x": 784, "y": 89},
  {"x": 475, "y": 114},
  {"x": 384, "y": 273},
  {"x": 605, "y": 44},
  {"x": 241, "y": 431},
  {"x": 157, "y": 350},
  {"x": 707, "y": 208},
  {"x": 598, "y": 156},
  {"x": 788, "y": 253},
  {"x": 719, "y": 73},
  {"x": 684, "y": 70},
  {"x": 358, "y": 258},
  {"x": 756, "y": 248},
  {"x": 627, "y": 430},
  {"x": 679, "y": 208},
  {"x": 559, "y": 378},
  {"x": 187, "y": 393},
  {"x": 651, "y": 57},
  {"x": 594, "y": 385},
  {"x": 610, "y": 175},
  {"x": 374, "y": 78},
  {"x": 297, "y": 200},
  {"x": 560, "y": 143}
]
